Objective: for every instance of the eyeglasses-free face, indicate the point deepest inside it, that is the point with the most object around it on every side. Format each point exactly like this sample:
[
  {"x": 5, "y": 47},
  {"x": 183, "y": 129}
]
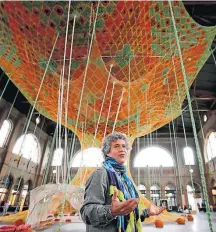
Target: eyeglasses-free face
[{"x": 118, "y": 151}]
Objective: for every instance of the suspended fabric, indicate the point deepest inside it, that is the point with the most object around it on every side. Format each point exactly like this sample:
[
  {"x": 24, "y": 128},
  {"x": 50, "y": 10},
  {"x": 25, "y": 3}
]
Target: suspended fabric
[
  {"x": 135, "y": 38},
  {"x": 46, "y": 203},
  {"x": 129, "y": 35}
]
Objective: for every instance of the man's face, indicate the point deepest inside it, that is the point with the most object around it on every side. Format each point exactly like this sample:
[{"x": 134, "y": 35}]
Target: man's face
[{"x": 118, "y": 151}]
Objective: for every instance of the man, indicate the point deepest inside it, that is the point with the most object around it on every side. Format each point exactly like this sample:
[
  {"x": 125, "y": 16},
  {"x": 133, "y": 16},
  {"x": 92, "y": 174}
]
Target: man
[{"x": 111, "y": 200}]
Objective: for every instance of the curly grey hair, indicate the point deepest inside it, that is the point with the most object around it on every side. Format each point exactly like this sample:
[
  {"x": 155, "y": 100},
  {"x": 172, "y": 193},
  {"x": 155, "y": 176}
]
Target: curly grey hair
[{"x": 106, "y": 145}]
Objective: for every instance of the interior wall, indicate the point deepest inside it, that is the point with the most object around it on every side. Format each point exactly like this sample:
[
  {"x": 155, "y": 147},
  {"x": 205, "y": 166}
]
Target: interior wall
[{"x": 169, "y": 175}]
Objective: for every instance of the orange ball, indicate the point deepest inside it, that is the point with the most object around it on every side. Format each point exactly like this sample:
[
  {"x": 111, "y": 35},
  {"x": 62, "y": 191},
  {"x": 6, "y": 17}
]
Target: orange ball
[
  {"x": 19, "y": 222},
  {"x": 190, "y": 218},
  {"x": 159, "y": 224},
  {"x": 180, "y": 221}
]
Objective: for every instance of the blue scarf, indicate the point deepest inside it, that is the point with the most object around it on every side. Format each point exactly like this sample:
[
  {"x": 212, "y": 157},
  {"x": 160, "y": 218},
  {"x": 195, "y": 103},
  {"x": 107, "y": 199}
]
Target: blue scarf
[{"x": 119, "y": 179}]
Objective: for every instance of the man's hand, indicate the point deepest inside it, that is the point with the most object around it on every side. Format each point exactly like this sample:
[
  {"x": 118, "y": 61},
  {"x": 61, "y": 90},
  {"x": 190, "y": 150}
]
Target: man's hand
[
  {"x": 154, "y": 210},
  {"x": 122, "y": 208}
]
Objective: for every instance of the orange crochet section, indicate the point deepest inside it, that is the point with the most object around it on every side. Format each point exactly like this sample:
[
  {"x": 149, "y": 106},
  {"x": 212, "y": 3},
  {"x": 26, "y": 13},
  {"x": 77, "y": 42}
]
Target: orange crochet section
[{"x": 135, "y": 38}]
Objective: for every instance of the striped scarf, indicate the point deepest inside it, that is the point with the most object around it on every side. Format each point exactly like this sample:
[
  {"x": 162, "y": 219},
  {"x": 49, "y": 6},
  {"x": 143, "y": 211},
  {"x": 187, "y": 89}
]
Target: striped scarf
[{"x": 126, "y": 190}]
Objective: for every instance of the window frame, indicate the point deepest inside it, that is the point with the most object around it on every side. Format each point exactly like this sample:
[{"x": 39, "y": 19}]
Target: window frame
[
  {"x": 79, "y": 154},
  {"x": 37, "y": 156},
  {"x": 208, "y": 159},
  {"x": 61, "y": 158},
  {"x": 185, "y": 159},
  {"x": 163, "y": 165},
  {"x": 6, "y": 139}
]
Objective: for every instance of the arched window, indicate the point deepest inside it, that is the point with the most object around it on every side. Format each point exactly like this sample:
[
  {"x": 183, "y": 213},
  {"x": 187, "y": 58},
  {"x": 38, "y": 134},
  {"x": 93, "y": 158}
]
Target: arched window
[
  {"x": 153, "y": 157},
  {"x": 211, "y": 146},
  {"x": 16, "y": 191},
  {"x": 45, "y": 158},
  {"x": 5, "y": 131},
  {"x": 170, "y": 195},
  {"x": 142, "y": 189},
  {"x": 57, "y": 157},
  {"x": 155, "y": 194},
  {"x": 205, "y": 118},
  {"x": 25, "y": 192},
  {"x": 28, "y": 147},
  {"x": 188, "y": 156},
  {"x": 194, "y": 195},
  {"x": 5, "y": 185},
  {"x": 90, "y": 157}
]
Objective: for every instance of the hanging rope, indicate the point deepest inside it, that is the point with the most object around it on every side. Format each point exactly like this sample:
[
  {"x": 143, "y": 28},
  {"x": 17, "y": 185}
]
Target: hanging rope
[
  {"x": 104, "y": 96},
  {"x": 182, "y": 118},
  {"x": 147, "y": 143},
  {"x": 185, "y": 137},
  {"x": 68, "y": 81},
  {"x": 212, "y": 52},
  {"x": 84, "y": 80},
  {"x": 109, "y": 109},
  {"x": 60, "y": 124},
  {"x": 36, "y": 99},
  {"x": 138, "y": 147},
  {"x": 50, "y": 158},
  {"x": 58, "y": 138},
  {"x": 179, "y": 169},
  {"x": 81, "y": 163},
  {"x": 22, "y": 172},
  {"x": 138, "y": 150},
  {"x": 10, "y": 165},
  {"x": 117, "y": 113},
  {"x": 12, "y": 104},
  {"x": 67, "y": 97},
  {"x": 5, "y": 87},
  {"x": 199, "y": 156},
  {"x": 85, "y": 168},
  {"x": 175, "y": 142},
  {"x": 129, "y": 98},
  {"x": 79, "y": 109},
  {"x": 87, "y": 64},
  {"x": 1, "y": 75}
]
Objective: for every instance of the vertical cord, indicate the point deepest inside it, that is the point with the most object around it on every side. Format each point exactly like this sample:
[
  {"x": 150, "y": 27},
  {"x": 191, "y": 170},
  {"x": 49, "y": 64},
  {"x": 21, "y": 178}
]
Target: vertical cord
[
  {"x": 84, "y": 80},
  {"x": 117, "y": 113},
  {"x": 176, "y": 167},
  {"x": 36, "y": 100},
  {"x": 175, "y": 142},
  {"x": 129, "y": 99},
  {"x": 147, "y": 143},
  {"x": 102, "y": 105},
  {"x": 109, "y": 109},
  {"x": 182, "y": 118},
  {"x": 5, "y": 87},
  {"x": 12, "y": 104},
  {"x": 66, "y": 160},
  {"x": 199, "y": 156}
]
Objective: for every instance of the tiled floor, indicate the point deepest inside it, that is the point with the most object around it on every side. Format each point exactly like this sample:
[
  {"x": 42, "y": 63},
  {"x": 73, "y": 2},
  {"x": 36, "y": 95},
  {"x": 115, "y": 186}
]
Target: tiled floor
[{"x": 200, "y": 224}]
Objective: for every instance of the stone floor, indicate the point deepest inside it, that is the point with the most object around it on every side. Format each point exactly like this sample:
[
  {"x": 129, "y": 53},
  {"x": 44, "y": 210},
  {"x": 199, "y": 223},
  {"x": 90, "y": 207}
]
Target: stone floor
[{"x": 200, "y": 224}]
